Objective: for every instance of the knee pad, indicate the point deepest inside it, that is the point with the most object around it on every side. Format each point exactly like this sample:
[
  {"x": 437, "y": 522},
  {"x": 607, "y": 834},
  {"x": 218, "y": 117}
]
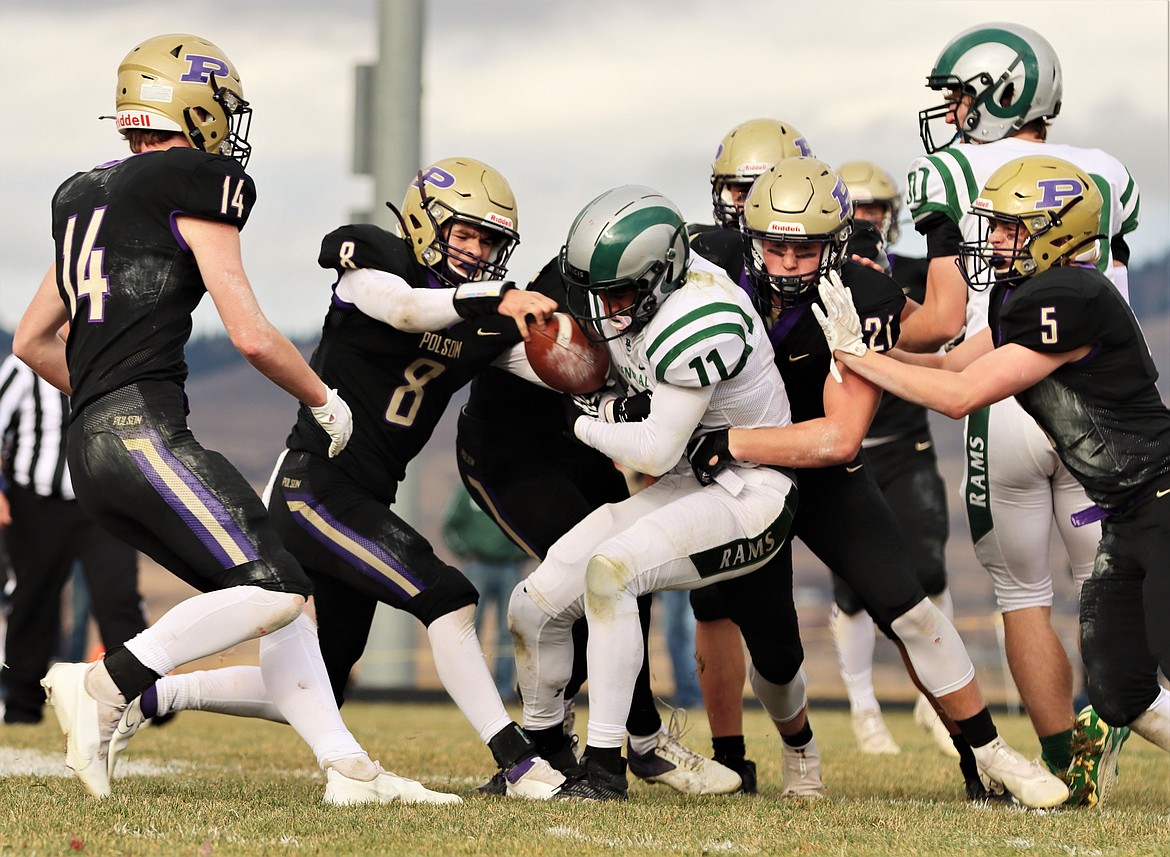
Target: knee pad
[
  {"x": 281, "y": 608},
  {"x": 935, "y": 649},
  {"x": 446, "y": 592},
  {"x": 846, "y": 597},
  {"x": 782, "y": 701},
  {"x": 606, "y": 589},
  {"x": 778, "y": 663}
]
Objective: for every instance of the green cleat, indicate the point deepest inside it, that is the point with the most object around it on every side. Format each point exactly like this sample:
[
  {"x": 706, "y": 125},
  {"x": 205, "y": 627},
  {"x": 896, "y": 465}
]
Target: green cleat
[{"x": 1096, "y": 746}]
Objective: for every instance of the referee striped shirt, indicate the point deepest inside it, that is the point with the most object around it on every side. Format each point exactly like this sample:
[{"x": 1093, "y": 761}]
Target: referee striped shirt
[{"x": 34, "y": 420}]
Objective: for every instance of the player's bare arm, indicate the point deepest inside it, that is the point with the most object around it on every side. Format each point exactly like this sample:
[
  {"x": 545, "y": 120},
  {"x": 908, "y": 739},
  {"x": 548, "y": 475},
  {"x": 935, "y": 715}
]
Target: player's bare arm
[
  {"x": 36, "y": 341},
  {"x": 942, "y": 315},
  {"x": 216, "y": 247}
]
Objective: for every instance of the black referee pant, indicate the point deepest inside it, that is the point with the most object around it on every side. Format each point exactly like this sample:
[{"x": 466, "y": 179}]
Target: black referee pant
[{"x": 46, "y": 536}]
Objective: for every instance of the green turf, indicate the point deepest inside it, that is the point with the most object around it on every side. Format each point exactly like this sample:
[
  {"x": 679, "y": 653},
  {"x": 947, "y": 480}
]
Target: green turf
[{"x": 212, "y": 785}]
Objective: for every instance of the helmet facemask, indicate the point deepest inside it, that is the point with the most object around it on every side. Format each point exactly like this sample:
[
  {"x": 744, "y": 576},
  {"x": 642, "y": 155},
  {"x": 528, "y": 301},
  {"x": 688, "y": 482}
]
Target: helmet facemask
[{"x": 774, "y": 293}]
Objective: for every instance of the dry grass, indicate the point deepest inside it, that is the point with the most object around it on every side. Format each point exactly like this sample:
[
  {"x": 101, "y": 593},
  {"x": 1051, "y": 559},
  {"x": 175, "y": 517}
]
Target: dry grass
[{"x": 211, "y": 785}]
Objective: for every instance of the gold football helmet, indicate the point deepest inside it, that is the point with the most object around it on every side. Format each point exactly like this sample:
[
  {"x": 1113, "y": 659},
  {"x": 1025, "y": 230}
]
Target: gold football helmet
[
  {"x": 465, "y": 191},
  {"x": 1056, "y": 209},
  {"x": 797, "y": 200},
  {"x": 183, "y": 83},
  {"x": 746, "y": 152},
  {"x": 870, "y": 184}
]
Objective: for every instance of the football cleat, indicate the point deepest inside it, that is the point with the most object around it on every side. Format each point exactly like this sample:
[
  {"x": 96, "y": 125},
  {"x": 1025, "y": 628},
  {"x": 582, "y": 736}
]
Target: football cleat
[
  {"x": 87, "y": 723},
  {"x": 1096, "y": 746},
  {"x": 1032, "y": 785},
  {"x": 802, "y": 771},
  {"x": 386, "y": 787},
  {"x": 872, "y": 735},
  {"x": 497, "y": 786},
  {"x": 746, "y": 769},
  {"x": 676, "y": 765},
  {"x": 594, "y": 783},
  {"x": 533, "y": 779},
  {"x": 128, "y": 726},
  {"x": 927, "y": 718}
]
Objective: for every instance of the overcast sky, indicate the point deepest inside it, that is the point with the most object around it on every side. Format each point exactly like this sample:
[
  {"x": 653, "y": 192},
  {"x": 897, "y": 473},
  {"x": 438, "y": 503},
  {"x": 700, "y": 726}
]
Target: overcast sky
[{"x": 565, "y": 98}]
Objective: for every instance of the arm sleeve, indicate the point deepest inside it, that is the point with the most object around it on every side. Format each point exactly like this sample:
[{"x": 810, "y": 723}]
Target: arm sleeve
[
  {"x": 390, "y": 299},
  {"x": 656, "y": 444}
]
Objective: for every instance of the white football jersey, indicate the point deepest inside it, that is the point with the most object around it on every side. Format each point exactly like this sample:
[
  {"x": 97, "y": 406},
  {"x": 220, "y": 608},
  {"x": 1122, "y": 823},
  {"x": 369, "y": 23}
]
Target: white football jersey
[
  {"x": 708, "y": 333},
  {"x": 949, "y": 181}
]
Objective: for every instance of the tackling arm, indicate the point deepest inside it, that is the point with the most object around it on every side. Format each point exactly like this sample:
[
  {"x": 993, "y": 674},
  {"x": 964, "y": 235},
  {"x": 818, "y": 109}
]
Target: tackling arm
[{"x": 943, "y": 312}]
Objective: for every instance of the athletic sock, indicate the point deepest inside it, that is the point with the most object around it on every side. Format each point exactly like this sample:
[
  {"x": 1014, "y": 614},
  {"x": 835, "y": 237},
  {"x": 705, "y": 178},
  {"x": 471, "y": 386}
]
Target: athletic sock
[
  {"x": 729, "y": 747},
  {"x": 1056, "y": 751},
  {"x": 978, "y": 730},
  {"x": 801, "y": 739}
]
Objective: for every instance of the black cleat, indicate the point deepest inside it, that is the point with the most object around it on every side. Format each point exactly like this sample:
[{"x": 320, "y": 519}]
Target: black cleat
[
  {"x": 497, "y": 785},
  {"x": 595, "y": 783},
  {"x": 978, "y": 793},
  {"x": 746, "y": 769}
]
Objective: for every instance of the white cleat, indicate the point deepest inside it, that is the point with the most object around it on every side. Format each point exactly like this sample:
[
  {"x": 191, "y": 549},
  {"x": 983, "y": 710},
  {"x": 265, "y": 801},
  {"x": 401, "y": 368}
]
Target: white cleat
[
  {"x": 533, "y": 779},
  {"x": 673, "y": 764},
  {"x": 872, "y": 735},
  {"x": 386, "y": 787},
  {"x": 802, "y": 771},
  {"x": 87, "y": 723},
  {"x": 1031, "y": 784},
  {"x": 927, "y": 718},
  {"x": 129, "y": 724}
]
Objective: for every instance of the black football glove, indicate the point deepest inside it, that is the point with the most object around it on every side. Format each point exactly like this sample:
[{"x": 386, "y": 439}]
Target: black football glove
[
  {"x": 627, "y": 409},
  {"x": 580, "y": 405},
  {"x": 709, "y": 456}
]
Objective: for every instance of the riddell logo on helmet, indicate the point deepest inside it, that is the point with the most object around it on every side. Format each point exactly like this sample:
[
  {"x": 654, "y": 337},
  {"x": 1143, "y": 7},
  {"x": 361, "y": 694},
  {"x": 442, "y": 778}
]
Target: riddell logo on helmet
[
  {"x": 499, "y": 220},
  {"x": 777, "y": 227},
  {"x": 757, "y": 167},
  {"x": 133, "y": 120}
]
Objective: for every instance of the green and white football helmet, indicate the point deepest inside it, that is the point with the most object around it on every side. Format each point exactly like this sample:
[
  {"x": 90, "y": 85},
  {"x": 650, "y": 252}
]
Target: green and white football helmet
[
  {"x": 626, "y": 251},
  {"x": 1012, "y": 75}
]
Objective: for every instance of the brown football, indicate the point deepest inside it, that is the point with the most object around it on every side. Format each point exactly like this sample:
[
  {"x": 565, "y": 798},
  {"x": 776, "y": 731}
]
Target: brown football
[{"x": 564, "y": 357}]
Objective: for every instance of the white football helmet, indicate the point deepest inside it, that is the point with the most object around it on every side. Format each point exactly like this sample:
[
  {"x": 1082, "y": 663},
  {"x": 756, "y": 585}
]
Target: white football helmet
[
  {"x": 630, "y": 238},
  {"x": 1012, "y": 75}
]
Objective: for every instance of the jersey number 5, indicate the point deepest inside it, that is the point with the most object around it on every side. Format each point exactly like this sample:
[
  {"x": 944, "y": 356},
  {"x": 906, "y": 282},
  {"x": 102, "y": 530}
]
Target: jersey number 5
[{"x": 88, "y": 280}]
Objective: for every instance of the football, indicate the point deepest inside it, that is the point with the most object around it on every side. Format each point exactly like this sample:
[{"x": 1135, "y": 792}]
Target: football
[{"x": 564, "y": 357}]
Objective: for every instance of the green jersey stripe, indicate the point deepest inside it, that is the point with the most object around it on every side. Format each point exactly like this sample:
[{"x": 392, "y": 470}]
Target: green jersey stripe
[
  {"x": 682, "y": 345},
  {"x": 695, "y": 315}
]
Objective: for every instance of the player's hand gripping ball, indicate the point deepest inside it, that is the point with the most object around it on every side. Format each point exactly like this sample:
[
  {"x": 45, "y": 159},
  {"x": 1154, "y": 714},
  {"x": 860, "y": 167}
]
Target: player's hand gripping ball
[{"x": 564, "y": 357}]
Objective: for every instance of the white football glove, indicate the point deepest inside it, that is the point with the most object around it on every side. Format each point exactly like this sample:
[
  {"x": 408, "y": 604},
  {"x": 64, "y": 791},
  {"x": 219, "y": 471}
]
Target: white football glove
[
  {"x": 839, "y": 321},
  {"x": 335, "y": 417}
]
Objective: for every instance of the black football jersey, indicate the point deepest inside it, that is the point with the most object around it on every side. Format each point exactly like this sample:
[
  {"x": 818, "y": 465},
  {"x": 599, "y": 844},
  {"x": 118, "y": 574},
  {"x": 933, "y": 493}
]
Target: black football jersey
[
  {"x": 128, "y": 278},
  {"x": 1103, "y": 413},
  {"x": 802, "y": 354},
  {"x": 896, "y": 417},
  {"x": 397, "y": 384}
]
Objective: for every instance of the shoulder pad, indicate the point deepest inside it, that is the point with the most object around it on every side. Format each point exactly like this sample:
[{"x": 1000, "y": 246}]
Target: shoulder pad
[
  {"x": 723, "y": 247},
  {"x": 699, "y": 341},
  {"x": 879, "y": 302},
  {"x": 1053, "y": 311},
  {"x": 364, "y": 245},
  {"x": 210, "y": 187}
]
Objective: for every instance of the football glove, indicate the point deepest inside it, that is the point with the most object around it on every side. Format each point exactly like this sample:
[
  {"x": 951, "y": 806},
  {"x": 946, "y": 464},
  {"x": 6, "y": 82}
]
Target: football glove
[
  {"x": 476, "y": 299},
  {"x": 709, "y": 455},
  {"x": 838, "y": 321},
  {"x": 626, "y": 409},
  {"x": 336, "y": 419},
  {"x": 580, "y": 405}
]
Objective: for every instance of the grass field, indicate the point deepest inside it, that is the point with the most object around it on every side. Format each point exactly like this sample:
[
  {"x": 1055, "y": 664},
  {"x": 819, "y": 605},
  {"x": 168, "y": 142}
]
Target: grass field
[{"x": 211, "y": 785}]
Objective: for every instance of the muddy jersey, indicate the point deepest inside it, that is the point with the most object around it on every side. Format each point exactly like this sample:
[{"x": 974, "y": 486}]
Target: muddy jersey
[
  {"x": 128, "y": 277},
  {"x": 1103, "y": 412},
  {"x": 397, "y": 384},
  {"x": 802, "y": 355},
  {"x": 896, "y": 417}
]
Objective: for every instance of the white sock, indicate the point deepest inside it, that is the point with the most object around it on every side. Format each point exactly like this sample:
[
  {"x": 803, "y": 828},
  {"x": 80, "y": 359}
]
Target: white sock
[
  {"x": 212, "y": 622},
  {"x": 1153, "y": 724},
  {"x": 615, "y": 657},
  {"x": 544, "y": 659},
  {"x": 643, "y": 744},
  {"x": 854, "y": 638},
  {"x": 238, "y": 691},
  {"x": 297, "y": 683},
  {"x": 464, "y": 673}
]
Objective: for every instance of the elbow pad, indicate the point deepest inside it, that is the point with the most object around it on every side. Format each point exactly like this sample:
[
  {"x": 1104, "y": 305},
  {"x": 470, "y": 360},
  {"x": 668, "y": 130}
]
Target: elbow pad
[{"x": 473, "y": 300}]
